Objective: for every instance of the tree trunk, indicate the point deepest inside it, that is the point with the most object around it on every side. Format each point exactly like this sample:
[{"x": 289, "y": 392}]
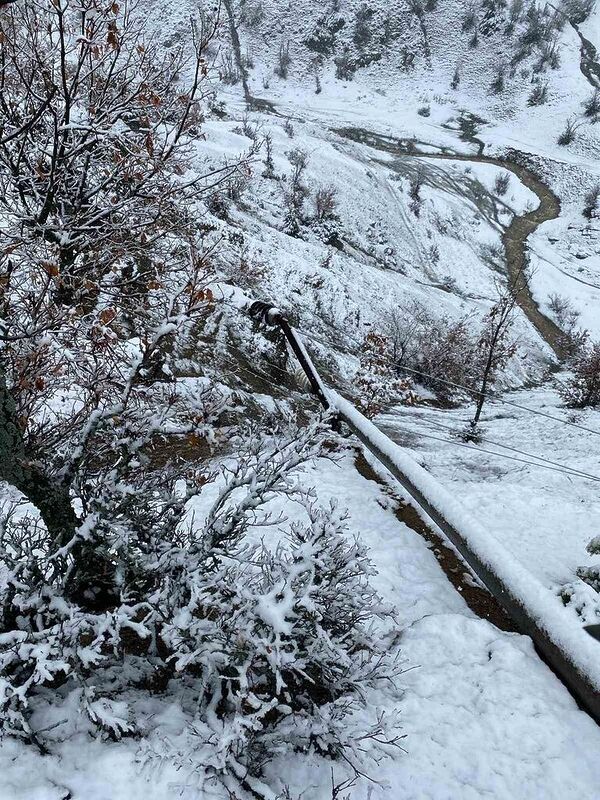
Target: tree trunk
[{"x": 50, "y": 498}]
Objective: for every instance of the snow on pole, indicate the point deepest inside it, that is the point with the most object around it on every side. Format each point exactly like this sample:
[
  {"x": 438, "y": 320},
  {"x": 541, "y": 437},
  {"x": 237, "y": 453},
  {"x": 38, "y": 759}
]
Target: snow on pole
[
  {"x": 568, "y": 649},
  {"x": 571, "y": 652}
]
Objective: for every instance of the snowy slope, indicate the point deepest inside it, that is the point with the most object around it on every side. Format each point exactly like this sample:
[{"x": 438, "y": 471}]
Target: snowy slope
[{"x": 481, "y": 714}]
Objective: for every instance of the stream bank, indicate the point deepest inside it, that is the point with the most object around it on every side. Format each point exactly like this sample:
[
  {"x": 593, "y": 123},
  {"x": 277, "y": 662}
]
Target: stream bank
[{"x": 515, "y": 236}]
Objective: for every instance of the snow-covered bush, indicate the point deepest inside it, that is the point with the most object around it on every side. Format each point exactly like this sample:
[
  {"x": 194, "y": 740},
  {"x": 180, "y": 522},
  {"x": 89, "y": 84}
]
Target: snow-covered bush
[
  {"x": 501, "y": 183},
  {"x": 284, "y": 60},
  {"x": 592, "y": 105},
  {"x": 584, "y": 595},
  {"x": 377, "y": 380},
  {"x": 591, "y": 575},
  {"x": 582, "y": 388},
  {"x": 592, "y": 203},
  {"x": 569, "y": 134},
  {"x": 563, "y": 311},
  {"x": 578, "y": 10},
  {"x": 275, "y": 643},
  {"x": 539, "y": 94},
  {"x": 296, "y": 192},
  {"x": 436, "y": 347}
]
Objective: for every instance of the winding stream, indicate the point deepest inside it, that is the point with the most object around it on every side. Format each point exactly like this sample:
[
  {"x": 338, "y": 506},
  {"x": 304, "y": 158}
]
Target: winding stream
[{"x": 514, "y": 237}]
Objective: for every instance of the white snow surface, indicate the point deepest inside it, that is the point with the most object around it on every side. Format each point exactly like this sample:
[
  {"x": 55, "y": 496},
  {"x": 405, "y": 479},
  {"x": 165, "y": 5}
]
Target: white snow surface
[{"x": 482, "y": 715}]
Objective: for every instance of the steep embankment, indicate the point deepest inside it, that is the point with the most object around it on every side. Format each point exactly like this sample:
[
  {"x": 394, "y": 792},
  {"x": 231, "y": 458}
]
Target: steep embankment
[{"x": 516, "y": 234}]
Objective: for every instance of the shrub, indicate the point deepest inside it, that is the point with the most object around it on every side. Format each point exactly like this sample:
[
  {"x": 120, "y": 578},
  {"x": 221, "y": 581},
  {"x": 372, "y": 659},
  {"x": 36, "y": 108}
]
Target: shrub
[
  {"x": 497, "y": 85},
  {"x": 252, "y": 14},
  {"x": 269, "y": 163},
  {"x": 592, "y": 202},
  {"x": 284, "y": 60},
  {"x": 289, "y": 128},
  {"x": 273, "y": 645},
  {"x": 230, "y": 73},
  {"x": 424, "y": 111},
  {"x": 345, "y": 65},
  {"x": 416, "y": 183},
  {"x": 591, "y": 575},
  {"x": 325, "y": 202},
  {"x": 578, "y": 10},
  {"x": 516, "y": 10},
  {"x": 296, "y": 194},
  {"x": 569, "y": 134},
  {"x": 550, "y": 55},
  {"x": 582, "y": 389},
  {"x": 323, "y": 39},
  {"x": 563, "y": 311},
  {"x": 592, "y": 106},
  {"x": 539, "y": 94},
  {"x": 469, "y": 20},
  {"x": 363, "y": 33},
  {"x": 501, "y": 184},
  {"x": 377, "y": 380},
  {"x": 443, "y": 349}
]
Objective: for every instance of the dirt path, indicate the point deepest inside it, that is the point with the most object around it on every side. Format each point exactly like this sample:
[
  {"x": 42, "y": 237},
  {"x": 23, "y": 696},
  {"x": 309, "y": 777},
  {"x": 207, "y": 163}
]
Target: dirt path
[{"x": 515, "y": 237}]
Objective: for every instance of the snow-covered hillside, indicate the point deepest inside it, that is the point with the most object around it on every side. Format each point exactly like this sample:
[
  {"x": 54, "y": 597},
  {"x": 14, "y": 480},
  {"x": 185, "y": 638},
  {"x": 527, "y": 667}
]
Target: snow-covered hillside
[{"x": 398, "y": 176}]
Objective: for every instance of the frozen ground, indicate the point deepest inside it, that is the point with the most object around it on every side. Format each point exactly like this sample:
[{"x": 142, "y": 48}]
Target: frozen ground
[{"x": 483, "y": 717}]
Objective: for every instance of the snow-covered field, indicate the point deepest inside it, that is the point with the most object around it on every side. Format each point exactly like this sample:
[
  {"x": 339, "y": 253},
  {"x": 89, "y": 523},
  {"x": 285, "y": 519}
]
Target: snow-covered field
[{"x": 483, "y": 716}]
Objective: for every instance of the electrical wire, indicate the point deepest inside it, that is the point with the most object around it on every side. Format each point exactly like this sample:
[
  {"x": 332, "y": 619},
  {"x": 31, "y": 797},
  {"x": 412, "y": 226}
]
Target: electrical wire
[
  {"x": 508, "y": 458},
  {"x": 468, "y": 389},
  {"x": 544, "y": 461}
]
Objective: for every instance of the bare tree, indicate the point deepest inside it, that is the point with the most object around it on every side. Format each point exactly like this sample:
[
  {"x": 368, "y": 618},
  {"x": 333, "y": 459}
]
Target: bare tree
[
  {"x": 94, "y": 142},
  {"x": 284, "y": 60},
  {"x": 325, "y": 202},
  {"x": 496, "y": 346}
]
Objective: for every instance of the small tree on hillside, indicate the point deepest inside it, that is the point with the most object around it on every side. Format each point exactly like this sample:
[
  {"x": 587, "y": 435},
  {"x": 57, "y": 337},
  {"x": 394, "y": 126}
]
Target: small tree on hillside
[
  {"x": 582, "y": 389},
  {"x": 377, "y": 378},
  {"x": 296, "y": 192},
  {"x": 495, "y": 347}
]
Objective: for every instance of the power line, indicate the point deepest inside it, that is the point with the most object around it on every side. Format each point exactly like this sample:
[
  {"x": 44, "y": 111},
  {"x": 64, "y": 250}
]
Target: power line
[
  {"x": 508, "y": 458},
  {"x": 545, "y": 461},
  {"x": 468, "y": 389}
]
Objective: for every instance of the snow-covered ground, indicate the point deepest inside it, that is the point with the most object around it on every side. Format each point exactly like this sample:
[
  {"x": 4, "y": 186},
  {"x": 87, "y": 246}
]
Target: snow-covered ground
[
  {"x": 538, "y": 513},
  {"x": 482, "y": 715}
]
